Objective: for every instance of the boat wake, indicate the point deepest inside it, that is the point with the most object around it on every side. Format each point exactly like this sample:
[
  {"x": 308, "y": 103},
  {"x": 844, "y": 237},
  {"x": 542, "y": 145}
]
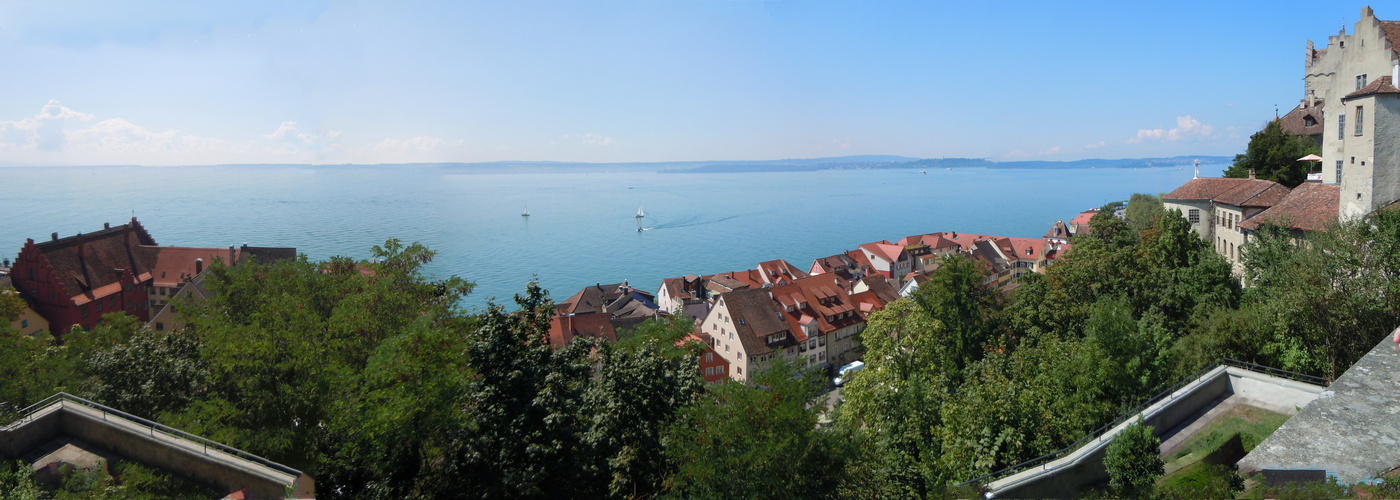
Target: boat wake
[{"x": 690, "y": 222}]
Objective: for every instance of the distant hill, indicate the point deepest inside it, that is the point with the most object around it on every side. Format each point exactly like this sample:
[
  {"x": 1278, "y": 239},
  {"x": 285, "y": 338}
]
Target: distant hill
[
  {"x": 862, "y": 162},
  {"x": 887, "y": 162}
]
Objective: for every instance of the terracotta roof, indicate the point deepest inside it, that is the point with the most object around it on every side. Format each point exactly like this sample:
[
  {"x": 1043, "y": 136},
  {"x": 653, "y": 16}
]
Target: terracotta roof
[
  {"x": 775, "y": 270},
  {"x": 1232, "y": 191},
  {"x": 174, "y": 264},
  {"x": 1023, "y": 248},
  {"x": 1392, "y": 34},
  {"x": 812, "y": 292},
  {"x": 761, "y": 318},
  {"x": 1058, "y": 230},
  {"x": 964, "y": 241},
  {"x": 102, "y": 253},
  {"x": 1311, "y": 206},
  {"x": 881, "y": 289},
  {"x": 265, "y": 255},
  {"x": 1380, "y": 85},
  {"x": 885, "y": 250},
  {"x": 1296, "y": 121},
  {"x": 565, "y": 327},
  {"x": 1083, "y": 217}
]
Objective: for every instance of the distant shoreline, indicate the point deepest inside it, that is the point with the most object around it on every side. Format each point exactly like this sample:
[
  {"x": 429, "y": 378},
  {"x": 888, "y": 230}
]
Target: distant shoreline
[{"x": 868, "y": 162}]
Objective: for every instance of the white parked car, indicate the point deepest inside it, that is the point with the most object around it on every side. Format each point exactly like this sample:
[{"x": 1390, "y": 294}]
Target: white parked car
[{"x": 845, "y": 373}]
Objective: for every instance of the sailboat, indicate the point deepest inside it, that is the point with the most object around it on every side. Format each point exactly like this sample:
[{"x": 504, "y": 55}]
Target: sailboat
[
  {"x": 640, "y": 214},
  {"x": 527, "y": 211}
]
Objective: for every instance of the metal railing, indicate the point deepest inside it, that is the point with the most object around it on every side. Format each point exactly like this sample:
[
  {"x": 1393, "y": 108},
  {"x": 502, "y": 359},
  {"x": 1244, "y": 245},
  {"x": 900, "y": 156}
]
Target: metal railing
[
  {"x": 1130, "y": 414},
  {"x": 28, "y": 414}
]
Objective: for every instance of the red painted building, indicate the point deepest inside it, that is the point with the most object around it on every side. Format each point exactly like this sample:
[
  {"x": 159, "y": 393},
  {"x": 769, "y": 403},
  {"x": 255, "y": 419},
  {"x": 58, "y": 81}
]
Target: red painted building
[
  {"x": 712, "y": 366},
  {"x": 78, "y": 279}
]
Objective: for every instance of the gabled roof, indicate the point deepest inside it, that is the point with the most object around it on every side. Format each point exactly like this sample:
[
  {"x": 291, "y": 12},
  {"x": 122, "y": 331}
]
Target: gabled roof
[
  {"x": 1381, "y": 85},
  {"x": 173, "y": 264},
  {"x": 1083, "y": 218},
  {"x": 1311, "y": 206},
  {"x": 1296, "y": 121},
  {"x": 89, "y": 262},
  {"x": 889, "y": 252},
  {"x": 774, "y": 271},
  {"x": 1231, "y": 191},
  {"x": 1058, "y": 230},
  {"x": 811, "y": 292},
  {"x": 761, "y": 318}
]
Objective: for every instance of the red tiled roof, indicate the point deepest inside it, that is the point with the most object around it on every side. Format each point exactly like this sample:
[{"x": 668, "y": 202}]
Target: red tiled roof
[
  {"x": 1083, "y": 217},
  {"x": 885, "y": 250},
  {"x": 1380, "y": 85},
  {"x": 761, "y": 318},
  {"x": 1232, "y": 191},
  {"x": 1296, "y": 121},
  {"x": 93, "y": 268},
  {"x": 1392, "y": 34},
  {"x": 1311, "y": 206},
  {"x": 1058, "y": 230},
  {"x": 174, "y": 264}
]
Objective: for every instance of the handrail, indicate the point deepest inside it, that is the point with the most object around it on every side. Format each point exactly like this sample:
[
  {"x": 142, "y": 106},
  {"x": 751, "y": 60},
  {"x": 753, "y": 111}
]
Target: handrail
[
  {"x": 63, "y": 398},
  {"x": 1096, "y": 433}
]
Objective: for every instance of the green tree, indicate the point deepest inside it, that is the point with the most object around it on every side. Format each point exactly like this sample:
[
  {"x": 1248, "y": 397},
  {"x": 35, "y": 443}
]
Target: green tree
[
  {"x": 760, "y": 440},
  {"x": 968, "y": 310},
  {"x": 1142, "y": 211},
  {"x": 1132, "y": 460},
  {"x": 896, "y": 398},
  {"x": 1273, "y": 155},
  {"x": 637, "y": 390},
  {"x": 151, "y": 373}
]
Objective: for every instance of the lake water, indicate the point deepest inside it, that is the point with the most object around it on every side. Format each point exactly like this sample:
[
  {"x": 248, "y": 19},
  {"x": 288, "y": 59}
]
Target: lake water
[{"x": 582, "y": 229}]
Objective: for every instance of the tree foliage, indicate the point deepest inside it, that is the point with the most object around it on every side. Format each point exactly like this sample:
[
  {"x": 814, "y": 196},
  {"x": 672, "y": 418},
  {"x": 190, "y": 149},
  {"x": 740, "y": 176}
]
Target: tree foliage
[
  {"x": 1132, "y": 460},
  {"x": 1273, "y": 155}
]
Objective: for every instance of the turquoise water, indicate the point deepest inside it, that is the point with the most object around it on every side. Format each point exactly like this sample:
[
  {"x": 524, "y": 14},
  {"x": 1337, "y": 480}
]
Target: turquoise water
[{"x": 582, "y": 228}]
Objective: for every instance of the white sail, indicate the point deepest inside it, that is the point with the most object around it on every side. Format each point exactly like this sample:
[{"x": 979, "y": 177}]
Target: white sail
[
  {"x": 527, "y": 211},
  {"x": 639, "y": 211}
]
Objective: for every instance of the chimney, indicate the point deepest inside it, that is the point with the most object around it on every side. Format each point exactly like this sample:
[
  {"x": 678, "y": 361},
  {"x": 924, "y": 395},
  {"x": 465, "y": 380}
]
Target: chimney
[
  {"x": 80, "y": 246},
  {"x": 54, "y": 236},
  {"x": 230, "y": 255},
  {"x": 106, "y": 225},
  {"x": 198, "y": 266},
  {"x": 1251, "y": 173}
]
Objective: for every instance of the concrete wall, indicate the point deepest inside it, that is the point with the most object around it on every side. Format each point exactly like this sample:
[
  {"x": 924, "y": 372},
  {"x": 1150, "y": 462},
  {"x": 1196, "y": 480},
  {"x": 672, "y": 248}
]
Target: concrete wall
[
  {"x": 1082, "y": 468},
  {"x": 1205, "y": 228},
  {"x": 1386, "y": 153},
  {"x": 134, "y": 441}
]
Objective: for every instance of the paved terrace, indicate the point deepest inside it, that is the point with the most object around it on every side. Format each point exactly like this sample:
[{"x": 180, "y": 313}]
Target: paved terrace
[
  {"x": 64, "y": 420},
  {"x": 1173, "y": 415},
  {"x": 1352, "y": 429}
]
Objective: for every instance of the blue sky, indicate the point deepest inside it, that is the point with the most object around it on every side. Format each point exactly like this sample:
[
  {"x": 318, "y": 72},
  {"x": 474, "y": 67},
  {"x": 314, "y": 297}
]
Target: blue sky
[{"x": 180, "y": 82}]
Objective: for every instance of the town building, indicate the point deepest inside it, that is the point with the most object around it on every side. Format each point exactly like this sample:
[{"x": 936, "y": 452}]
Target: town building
[
  {"x": 74, "y": 281},
  {"x": 888, "y": 259},
  {"x": 1309, "y": 208},
  {"x": 819, "y": 310},
  {"x": 713, "y": 367},
  {"x": 601, "y": 311},
  {"x": 1215, "y": 207},
  {"x": 1080, "y": 223},
  {"x": 749, "y": 330},
  {"x": 1350, "y": 94}
]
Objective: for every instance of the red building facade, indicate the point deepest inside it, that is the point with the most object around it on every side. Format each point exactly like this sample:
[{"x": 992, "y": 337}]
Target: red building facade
[{"x": 78, "y": 279}]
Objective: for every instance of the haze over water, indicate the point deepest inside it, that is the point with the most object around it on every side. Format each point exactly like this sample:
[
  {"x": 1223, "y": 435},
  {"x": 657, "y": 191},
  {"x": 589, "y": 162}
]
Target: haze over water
[{"x": 582, "y": 228}]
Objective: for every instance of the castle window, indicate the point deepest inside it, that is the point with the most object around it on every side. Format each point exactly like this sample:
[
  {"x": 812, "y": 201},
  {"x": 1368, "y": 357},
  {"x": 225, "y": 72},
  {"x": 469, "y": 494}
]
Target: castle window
[
  {"x": 1358, "y": 120},
  {"x": 1341, "y": 126},
  {"x": 1194, "y": 216},
  {"x": 1339, "y": 171},
  {"x": 1309, "y": 121},
  {"x": 160, "y": 326},
  {"x": 1360, "y": 82}
]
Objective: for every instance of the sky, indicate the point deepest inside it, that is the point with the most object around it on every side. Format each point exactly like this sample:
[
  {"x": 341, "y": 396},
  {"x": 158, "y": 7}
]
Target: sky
[{"x": 330, "y": 82}]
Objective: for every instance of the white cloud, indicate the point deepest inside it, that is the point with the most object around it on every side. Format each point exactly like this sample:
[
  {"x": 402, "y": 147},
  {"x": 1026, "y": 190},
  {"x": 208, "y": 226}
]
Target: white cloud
[
  {"x": 596, "y": 140},
  {"x": 1094, "y": 146},
  {"x": 1186, "y": 128},
  {"x": 43, "y": 132},
  {"x": 1050, "y": 151},
  {"x": 290, "y": 135},
  {"x": 119, "y": 138}
]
